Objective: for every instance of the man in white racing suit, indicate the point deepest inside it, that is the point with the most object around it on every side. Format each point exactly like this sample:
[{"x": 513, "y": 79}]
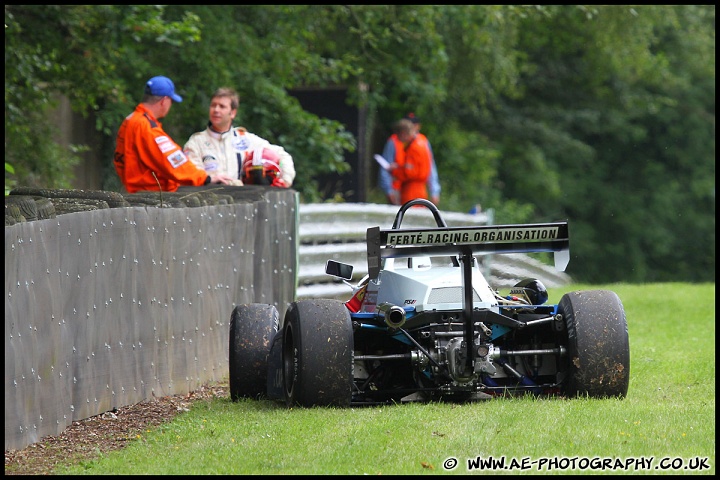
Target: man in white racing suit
[{"x": 244, "y": 156}]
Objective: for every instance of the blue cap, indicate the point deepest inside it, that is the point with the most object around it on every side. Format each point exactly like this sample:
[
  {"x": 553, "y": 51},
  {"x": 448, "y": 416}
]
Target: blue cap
[{"x": 162, "y": 87}]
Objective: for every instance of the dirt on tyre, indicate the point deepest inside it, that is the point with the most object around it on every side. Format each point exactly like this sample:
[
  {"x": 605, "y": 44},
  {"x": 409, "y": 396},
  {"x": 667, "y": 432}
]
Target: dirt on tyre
[
  {"x": 317, "y": 354},
  {"x": 252, "y": 328},
  {"x": 598, "y": 344}
]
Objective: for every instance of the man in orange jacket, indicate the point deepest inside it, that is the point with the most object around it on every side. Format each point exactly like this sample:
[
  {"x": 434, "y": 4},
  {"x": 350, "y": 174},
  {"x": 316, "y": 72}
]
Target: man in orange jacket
[
  {"x": 146, "y": 158},
  {"x": 385, "y": 180},
  {"x": 413, "y": 160}
]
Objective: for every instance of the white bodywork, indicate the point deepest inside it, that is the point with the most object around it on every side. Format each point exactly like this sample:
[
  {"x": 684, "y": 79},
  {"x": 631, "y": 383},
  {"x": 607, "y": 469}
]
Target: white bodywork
[{"x": 419, "y": 284}]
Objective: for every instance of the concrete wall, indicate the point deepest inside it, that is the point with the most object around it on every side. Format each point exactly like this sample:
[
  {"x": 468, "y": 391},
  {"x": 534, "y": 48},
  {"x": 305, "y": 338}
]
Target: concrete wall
[{"x": 109, "y": 307}]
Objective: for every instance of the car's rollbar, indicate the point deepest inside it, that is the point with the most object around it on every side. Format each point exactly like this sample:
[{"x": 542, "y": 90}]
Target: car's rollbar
[{"x": 444, "y": 241}]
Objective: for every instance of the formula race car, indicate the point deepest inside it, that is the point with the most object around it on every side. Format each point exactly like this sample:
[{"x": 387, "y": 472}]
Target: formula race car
[{"x": 425, "y": 325}]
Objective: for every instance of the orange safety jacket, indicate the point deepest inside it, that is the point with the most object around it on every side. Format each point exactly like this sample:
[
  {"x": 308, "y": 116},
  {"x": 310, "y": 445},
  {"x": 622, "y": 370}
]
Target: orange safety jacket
[
  {"x": 143, "y": 149},
  {"x": 413, "y": 170}
]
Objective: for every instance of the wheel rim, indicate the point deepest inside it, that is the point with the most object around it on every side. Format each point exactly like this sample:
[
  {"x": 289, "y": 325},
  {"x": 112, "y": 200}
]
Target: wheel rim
[{"x": 289, "y": 359}]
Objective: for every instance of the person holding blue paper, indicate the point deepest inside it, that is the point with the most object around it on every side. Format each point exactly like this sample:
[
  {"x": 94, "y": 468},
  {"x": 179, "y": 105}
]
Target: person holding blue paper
[{"x": 385, "y": 178}]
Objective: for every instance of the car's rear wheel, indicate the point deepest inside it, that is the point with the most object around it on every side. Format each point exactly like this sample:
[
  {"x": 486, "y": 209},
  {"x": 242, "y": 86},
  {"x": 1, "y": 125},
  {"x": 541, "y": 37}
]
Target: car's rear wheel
[
  {"x": 598, "y": 345},
  {"x": 252, "y": 328},
  {"x": 318, "y": 353}
]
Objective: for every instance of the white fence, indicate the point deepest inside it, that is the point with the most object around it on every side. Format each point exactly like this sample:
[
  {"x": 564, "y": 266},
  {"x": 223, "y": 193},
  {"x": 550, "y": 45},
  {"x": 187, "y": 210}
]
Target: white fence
[{"x": 337, "y": 232}]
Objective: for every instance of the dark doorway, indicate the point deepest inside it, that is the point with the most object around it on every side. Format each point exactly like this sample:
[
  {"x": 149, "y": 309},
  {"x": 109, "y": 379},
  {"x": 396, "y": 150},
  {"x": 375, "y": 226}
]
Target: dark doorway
[{"x": 332, "y": 104}]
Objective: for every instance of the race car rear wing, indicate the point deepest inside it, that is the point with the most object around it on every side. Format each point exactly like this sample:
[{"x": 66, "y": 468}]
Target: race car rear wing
[{"x": 464, "y": 241}]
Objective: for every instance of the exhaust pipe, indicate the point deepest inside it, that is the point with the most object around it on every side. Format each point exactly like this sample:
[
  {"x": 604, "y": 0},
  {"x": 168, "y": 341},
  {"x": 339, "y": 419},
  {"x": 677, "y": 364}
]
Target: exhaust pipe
[{"x": 394, "y": 315}]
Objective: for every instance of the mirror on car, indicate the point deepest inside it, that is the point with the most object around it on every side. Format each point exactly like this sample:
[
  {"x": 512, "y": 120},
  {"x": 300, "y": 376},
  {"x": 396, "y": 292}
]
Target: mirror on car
[{"x": 337, "y": 269}]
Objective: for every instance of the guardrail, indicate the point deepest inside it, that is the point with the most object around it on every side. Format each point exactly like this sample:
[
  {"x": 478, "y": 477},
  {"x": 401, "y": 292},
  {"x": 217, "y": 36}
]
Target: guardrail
[{"x": 337, "y": 232}]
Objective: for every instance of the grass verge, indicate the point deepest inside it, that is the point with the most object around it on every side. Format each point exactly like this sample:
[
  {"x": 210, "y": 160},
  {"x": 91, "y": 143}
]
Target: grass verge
[{"x": 667, "y": 420}]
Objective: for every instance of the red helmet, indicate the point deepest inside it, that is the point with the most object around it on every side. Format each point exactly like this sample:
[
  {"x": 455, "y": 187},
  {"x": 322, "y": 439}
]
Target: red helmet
[{"x": 262, "y": 171}]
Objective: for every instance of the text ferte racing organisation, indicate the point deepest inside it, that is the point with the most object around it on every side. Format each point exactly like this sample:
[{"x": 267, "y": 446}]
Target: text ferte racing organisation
[{"x": 464, "y": 236}]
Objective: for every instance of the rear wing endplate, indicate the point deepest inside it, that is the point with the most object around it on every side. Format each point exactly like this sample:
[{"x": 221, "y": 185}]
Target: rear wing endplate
[{"x": 521, "y": 238}]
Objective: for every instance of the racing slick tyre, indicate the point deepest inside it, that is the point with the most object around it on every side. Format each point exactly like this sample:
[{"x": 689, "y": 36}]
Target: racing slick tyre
[
  {"x": 317, "y": 354},
  {"x": 598, "y": 346},
  {"x": 252, "y": 328}
]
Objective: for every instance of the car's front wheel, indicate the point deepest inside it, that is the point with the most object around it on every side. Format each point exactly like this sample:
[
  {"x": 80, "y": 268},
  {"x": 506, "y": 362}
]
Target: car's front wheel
[
  {"x": 598, "y": 345},
  {"x": 317, "y": 353}
]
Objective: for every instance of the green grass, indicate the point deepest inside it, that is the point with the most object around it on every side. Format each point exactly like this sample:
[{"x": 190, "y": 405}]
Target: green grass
[{"x": 669, "y": 412}]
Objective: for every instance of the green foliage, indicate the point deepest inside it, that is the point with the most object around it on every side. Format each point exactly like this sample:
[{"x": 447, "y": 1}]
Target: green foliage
[
  {"x": 601, "y": 115},
  {"x": 9, "y": 180},
  {"x": 669, "y": 412},
  {"x": 76, "y": 58}
]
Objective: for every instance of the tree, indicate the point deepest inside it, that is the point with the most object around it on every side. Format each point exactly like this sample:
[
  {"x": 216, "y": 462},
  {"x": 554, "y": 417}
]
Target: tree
[
  {"x": 79, "y": 57},
  {"x": 602, "y": 115}
]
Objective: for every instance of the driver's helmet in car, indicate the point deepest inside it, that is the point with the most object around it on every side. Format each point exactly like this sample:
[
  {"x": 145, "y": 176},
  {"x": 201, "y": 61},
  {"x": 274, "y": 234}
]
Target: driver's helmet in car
[
  {"x": 261, "y": 167},
  {"x": 533, "y": 289}
]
